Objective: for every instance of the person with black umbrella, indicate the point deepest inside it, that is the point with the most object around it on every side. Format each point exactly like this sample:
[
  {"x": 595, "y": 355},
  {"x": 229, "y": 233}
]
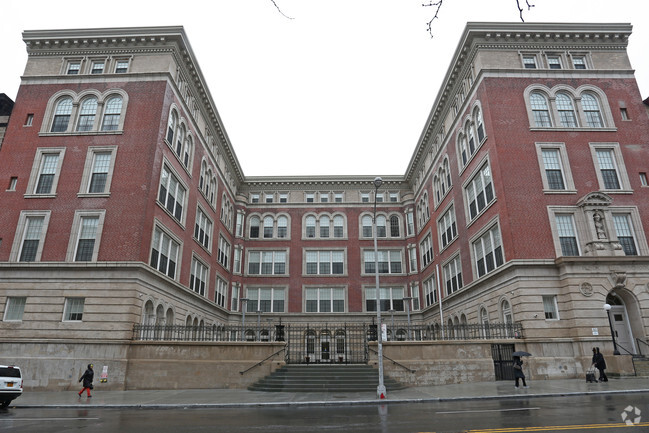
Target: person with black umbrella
[{"x": 518, "y": 368}]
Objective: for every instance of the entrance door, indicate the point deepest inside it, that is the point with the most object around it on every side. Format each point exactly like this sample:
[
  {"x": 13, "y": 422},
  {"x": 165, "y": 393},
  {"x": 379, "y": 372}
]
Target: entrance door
[
  {"x": 503, "y": 361},
  {"x": 623, "y": 334}
]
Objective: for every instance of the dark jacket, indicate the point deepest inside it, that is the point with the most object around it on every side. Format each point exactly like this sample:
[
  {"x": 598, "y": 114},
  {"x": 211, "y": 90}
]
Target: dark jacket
[
  {"x": 598, "y": 361},
  {"x": 87, "y": 377},
  {"x": 518, "y": 369}
]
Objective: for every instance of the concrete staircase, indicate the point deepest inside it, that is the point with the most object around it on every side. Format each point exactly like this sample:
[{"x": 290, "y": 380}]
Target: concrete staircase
[
  {"x": 324, "y": 378},
  {"x": 641, "y": 365}
]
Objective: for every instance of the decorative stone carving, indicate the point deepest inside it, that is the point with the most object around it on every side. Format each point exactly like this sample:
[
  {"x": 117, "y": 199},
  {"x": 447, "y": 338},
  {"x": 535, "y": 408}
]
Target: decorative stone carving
[
  {"x": 598, "y": 219},
  {"x": 619, "y": 279},
  {"x": 586, "y": 289}
]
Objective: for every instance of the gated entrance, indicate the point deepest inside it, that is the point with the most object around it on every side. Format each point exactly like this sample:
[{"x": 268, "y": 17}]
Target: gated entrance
[
  {"x": 503, "y": 361},
  {"x": 326, "y": 343}
]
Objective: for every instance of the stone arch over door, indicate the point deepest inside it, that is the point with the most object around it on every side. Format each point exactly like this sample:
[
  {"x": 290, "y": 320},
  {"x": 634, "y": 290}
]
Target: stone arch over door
[{"x": 625, "y": 319}]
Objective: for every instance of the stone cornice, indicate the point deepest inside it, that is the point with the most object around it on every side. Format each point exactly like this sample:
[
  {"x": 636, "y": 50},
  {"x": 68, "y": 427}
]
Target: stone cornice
[{"x": 307, "y": 182}]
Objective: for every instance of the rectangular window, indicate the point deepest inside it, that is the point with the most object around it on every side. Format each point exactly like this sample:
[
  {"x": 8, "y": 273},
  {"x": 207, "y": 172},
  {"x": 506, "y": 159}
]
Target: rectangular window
[
  {"x": 410, "y": 223},
  {"x": 624, "y": 232},
  {"x": 223, "y": 255},
  {"x": 579, "y": 62},
  {"x": 172, "y": 193},
  {"x": 164, "y": 253},
  {"x": 365, "y": 197},
  {"x": 266, "y": 300},
  {"x": 480, "y": 192},
  {"x": 325, "y": 262},
  {"x": 236, "y": 261},
  {"x": 324, "y": 197},
  {"x": 325, "y": 300},
  {"x": 624, "y": 113},
  {"x": 221, "y": 292},
  {"x": 283, "y": 198},
  {"x": 32, "y": 238},
  {"x": 267, "y": 262},
  {"x": 426, "y": 250},
  {"x": 29, "y": 120},
  {"x": 414, "y": 294},
  {"x": 15, "y": 308},
  {"x": 87, "y": 238},
  {"x": 338, "y": 197},
  {"x": 97, "y": 67},
  {"x": 254, "y": 198},
  {"x": 453, "y": 275},
  {"x": 394, "y": 197},
  {"x": 529, "y": 62},
  {"x": 447, "y": 229},
  {"x": 554, "y": 62},
  {"x": 380, "y": 197},
  {"x": 412, "y": 258},
  {"x": 234, "y": 303},
  {"x": 203, "y": 229},
  {"x": 47, "y": 173},
  {"x": 391, "y": 299},
  {"x": 430, "y": 291},
  {"x": 389, "y": 262},
  {"x": 100, "y": 169},
  {"x": 73, "y": 68},
  {"x": 268, "y": 198},
  {"x": 488, "y": 252},
  {"x": 567, "y": 235},
  {"x": 310, "y": 197},
  {"x": 198, "y": 278},
  {"x": 553, "y": 169},
  {"x": 550, "y": 308},
  {"x": 643, "y": 179},
  {"x": 239, "y": 225},
  {"x": 73, "y": 311},
  {"x": 121, "y": 67},
  {"x": 12, "y": 183},
  {"x": 608, "y": 168}
]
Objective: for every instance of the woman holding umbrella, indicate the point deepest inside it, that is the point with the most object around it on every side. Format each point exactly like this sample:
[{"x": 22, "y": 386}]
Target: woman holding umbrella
[{"x": 518, "y": 368}]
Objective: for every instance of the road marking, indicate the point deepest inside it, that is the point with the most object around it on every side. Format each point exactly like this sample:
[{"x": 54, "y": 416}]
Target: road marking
[
  {"x": 557, "y": 428},
  {"x": 45, "y": 419},
  {"x": 489, "y": 410}
]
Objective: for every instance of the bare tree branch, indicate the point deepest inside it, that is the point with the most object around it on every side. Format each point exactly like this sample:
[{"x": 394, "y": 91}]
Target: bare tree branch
[
  {"x": 433, "y": 3},
  {"x": 280, "y": 11},
  {"x": 520, "y": 9}
]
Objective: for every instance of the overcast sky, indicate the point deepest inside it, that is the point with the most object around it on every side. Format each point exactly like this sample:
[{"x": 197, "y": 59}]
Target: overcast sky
[{"x": 344, "y": 87}]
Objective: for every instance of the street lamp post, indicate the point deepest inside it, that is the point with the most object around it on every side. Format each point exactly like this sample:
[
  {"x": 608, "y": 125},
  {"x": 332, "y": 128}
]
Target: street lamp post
[
  {"x": 607, "y": 307},
  {"x": 380, "y": 390},
  {"x": 407, "y": 300},
  {"x": 244, "y": 303}
]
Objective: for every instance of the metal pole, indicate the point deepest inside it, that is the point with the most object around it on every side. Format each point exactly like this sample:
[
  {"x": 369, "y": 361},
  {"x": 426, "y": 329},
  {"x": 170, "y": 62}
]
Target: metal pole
[
  {"x": 607, "y": 307},
  {"x": 380, "y": 390}
]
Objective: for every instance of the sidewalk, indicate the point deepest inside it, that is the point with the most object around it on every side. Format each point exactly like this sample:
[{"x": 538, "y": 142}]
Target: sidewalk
[{"x": 213, "y": 398}]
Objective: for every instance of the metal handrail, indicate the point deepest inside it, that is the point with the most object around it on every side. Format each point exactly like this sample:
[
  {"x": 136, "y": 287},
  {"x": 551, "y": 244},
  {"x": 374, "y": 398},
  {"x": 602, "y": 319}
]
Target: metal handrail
[
  {"x": 395, "y": 362},
  {"x": 262, "y": 361},
  {"x": 639, "y": 340},
  {"x": 625, "y": 349}
]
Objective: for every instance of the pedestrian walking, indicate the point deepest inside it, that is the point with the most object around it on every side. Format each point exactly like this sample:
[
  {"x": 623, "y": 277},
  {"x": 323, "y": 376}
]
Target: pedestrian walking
[
  {"x": 600, "y": 364},
  {"x": 87, "y": 378},
  {"x": 518, "y": 372}
]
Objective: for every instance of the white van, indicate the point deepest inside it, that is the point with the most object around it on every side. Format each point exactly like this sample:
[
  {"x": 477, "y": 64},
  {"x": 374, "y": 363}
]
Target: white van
[{"x": 11, "y": 384}]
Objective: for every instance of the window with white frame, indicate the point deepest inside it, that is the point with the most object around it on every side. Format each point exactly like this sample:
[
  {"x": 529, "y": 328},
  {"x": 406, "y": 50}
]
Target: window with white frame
[
  {"x": 394, "y": 197},
  {"x": 488, "y": 251},
  {"x": 480, "y": 192},
  {"x": 46, "y": 169},
  {"x": 625, "y": 233},
  {"x": 236, "y": 261},
  {"x": 254, "y": 198},
  {"x": 324, "y": 197},
  {"x": 554, "y": 62},
  {"x": 121, "y": 66},
  {"x": 447, "y": 227},
  {"x": 234, "y": 302},
  {"x": 430, "y": 291},
  {"x": 207, "y": 183},
  {"x": 550, "y": 308},
  {"x": 98, "y": 170},
  {"x": 339, "y": 226},
  {"x": 540, "y": 110},
  {"x": 223, "y": 255},
  {"x": 592, "y": 111},
  {"x": 269, "y": 226},
  {"x": 203, "y": 229},
  {"x": 198, "y": 277},
  {"x": 62, "y": 113},
  {"x": 164, "y": 253},
  {"x": 87, "y": 228},
  {"x": 172, "y": 193},
  {"x": 282, "y": 227},
  {"x": 267, "y": 262},
  {"x": 283, "y": 197},
  {"x": 338, "y": 197},
  {"x": 553, "y": 168},
  {"x": 74, "y": 67},
  {"x": 87, "y": 113},
  {"x": 426, "y": 251},
  {"x": 255, "y": 223},
  {"x": 579, "y": 62},
  {"x": 453, "y": 275},
  {"x": 410, "y": 222},
  {"x": 266, "y": 300},
  {"x": 324, "y": 262},
  {"x": 365, "y": 197},
  {"x": 268, "y": 197},
  {"x": 564, "y": 107},
  {"x": 324, "y": 300},
  {"x": 391, "y": 299},
  {"x": 227, "y": 211},
  {"x": 220, "y": 292},
  {"x": 412, "y": 258},
  {"x": 611, "y": 172},
  {"x": 97, "y": 67},
  {"x": 309, "y": 197},
  {"x": 567, "y": 234},
  {"x": 414, "y": 294},
  {"x": 239, "y": 224},
  {"x": 15, "y": 308},
  {"x": 529, "y": 62},
  {"x": 567, "y": 117},
  {"x": 73, "y": 309},
  {"x": 389, "y": 261}
]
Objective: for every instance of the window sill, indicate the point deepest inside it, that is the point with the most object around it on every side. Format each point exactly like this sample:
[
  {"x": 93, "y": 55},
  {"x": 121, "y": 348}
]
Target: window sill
[
  {"x": 84, "y": 133},
  {"x": 40, "y": 195},
  {"x": 94, "y": 195},
  {"x": 559, "y": 191},
  {"x": 580, "y": 129}
]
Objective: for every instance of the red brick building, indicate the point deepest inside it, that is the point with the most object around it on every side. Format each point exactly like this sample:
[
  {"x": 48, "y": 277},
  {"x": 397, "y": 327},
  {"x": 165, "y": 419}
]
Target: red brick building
[{"x": 525, "y": 201}]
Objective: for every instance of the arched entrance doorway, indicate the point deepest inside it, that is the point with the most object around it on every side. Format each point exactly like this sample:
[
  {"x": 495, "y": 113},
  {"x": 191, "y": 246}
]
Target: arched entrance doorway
[{"x": 621, "y": 315}]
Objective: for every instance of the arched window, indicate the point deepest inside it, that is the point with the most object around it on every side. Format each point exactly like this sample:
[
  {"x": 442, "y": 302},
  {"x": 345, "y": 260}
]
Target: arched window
[
  {"x": 339, "y": 226},
  {"x": 201, "y": 179},
  {"x": 310, "y": 226},
  {"x": 394, "y": 226},
  {"x": 540, "y": 109},
  {"x": 254, "y": 227},
  {"x": 282, "y": 227},
  {"x": 477, "y": 118},
  {"x": 380, "y": 226},
  {"x": 324, "y": 226},
  {"x": 171, "y": 127},
  {"x": 507, "y": 311},
  {"x": 437, "y": 189},
  {"x": 189, "y": 145},
  {"x": 268, "y": 227},
  {"x": 464, "y": 152},
  {"x": 179, "y": 140},
  {"x": 472, "y": 144},
  {"x": 367, "y": 226},
  {"x": 112, "y": 113},
  {"x": 592, "y": 111},
  {"x": 62, "y": 115},
  {"x": 87, "y": 114},
  {"x": 447, "y": 171},
  {"x": 566, "y": 110}
]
